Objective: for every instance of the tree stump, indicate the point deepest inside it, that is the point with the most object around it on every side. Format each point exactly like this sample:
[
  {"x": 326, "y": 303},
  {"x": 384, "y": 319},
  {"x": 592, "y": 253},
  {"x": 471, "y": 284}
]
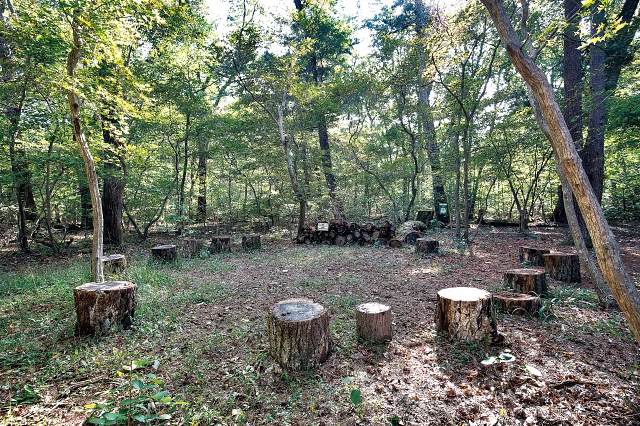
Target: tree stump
[
  {"x": 395, "y": 243},
  {"x": 526, "y": 281},
  {"x": 425, "y": 245},
  {"x": 102, "y": 306},
  {"x": 466, "y": 313},
  {"x": 563, "y": 266},
  {"x": 516, "y": 304},
  {"x": 220, "y": 244},
  {"x": 114, "y": 264},
  {"x": 373, "y": 322},
  {"x": 298, "y": 332},
  {"x": 532, "y": 256},
  {"x": 252, "y": 242},
  {"x": 411, "y": 237},
  {"x": 190, "y": 247},
  {"x": 165, "y": 253}
]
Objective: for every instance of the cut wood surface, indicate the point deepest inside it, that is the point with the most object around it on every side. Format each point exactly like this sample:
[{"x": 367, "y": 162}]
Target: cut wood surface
[
  {"x": 532, "y": 255},
  {"x": 526, "y": 281},
  {"x": 373, "y": 322},
  {"x": 190, "y": 247},
  {"x": 425, "y": 245},
  {"x": 165, "y": 252},
  {"x": 343, "y": 232},
  {"x": 515, "y": 303},
  {"x": 410, "y": 237},
  {"x": 114, "y": 264},
  {"x": 251, "y": 242},
  {"x": 563, "y": 266},
  {"x": 466, "y": 313},
  {"x": 220, "y": 244},
  {"x": 101, "y": 307},
  {"x": 298, "y": 331}
]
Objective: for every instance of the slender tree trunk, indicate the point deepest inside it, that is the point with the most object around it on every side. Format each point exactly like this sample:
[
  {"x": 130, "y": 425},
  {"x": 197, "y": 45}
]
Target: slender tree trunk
[
  {"x": 183, "y": 178},
  {"x": 607, "y": 249},
  {"x": 47, "y": 195},
  {"x": 201, "y": 177},
  {"x": 97, "y": 270}
]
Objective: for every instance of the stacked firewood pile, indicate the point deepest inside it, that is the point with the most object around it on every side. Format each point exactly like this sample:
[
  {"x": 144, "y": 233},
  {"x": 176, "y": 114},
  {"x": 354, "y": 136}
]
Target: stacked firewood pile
[{"x": 342, "y": 232}]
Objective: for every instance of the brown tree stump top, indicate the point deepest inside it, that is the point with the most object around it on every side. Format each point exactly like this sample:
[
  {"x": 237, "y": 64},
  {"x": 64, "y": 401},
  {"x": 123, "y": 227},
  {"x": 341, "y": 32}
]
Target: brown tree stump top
[
  {"x": 297, "y": 310},
  {"x": 164, "y": 247},
  {"x": 516, "y": 303}
]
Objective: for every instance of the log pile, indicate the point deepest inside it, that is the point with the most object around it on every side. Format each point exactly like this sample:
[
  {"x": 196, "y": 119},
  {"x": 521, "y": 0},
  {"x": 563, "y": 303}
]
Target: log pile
[{"x": 343, "y": 232}]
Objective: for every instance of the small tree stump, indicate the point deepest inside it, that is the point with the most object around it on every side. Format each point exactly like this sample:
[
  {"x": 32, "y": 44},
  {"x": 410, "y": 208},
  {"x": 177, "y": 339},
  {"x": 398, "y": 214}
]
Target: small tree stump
[
  {"x": 373, "y": 322},
  {"x": 411, "y": 237},
  {"x": 165, "y": 253},
  {"x": 114, "y": 264},
  {"x": 526, "y": 281},
  {"x": 220, "y": 244},
  {"x": 466, "y": 313},
  {"x": 252, "y": 242},
  {"x": 425, "y": 245},
  {"x": 563, "y": 266},
  {"x": 516, "y": 304},
  {"x": 102, "y": 306},
  {"x": 298, "y": 332},
  {"x": 395, "y": 243},
  {"x": 532, "y": 256},
  {"x": 190, "y": 247}
]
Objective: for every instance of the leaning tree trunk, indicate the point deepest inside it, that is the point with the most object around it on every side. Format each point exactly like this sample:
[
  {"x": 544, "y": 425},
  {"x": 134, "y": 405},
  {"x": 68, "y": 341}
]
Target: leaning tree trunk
[
  {"x": 97, "y": 269},
  {"x": 607, "y": 249}
]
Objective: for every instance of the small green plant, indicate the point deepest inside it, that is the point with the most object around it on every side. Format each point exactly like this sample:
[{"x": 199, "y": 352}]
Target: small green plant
[
  {"x": 546, "y": 311},
  {"x": 435, "y": 223},
  {"x": 145, "y": 400}
]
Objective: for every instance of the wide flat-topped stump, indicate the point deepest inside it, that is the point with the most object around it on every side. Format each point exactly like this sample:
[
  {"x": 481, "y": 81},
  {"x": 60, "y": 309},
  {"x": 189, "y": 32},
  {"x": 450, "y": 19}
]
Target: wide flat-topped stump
[
  {"x": 114, "y": 264},
  {"x": 466, "y": 313},
  {"x": 526, "y": 281},
  {"x": 532, "y": 256},
  {"x": 298, "y": 332},
  {"x": 563, "y": 266},
  {"x": 373, "y": 322},
  {"x": 515, "y": 303},
  {"x": 165, "y": 253},
  {"x": 101, "y": 307},
  {"x": 251, "y": 242},
  {"x": 220, "y": 244},
  {"x": 425, "y": 245},
  {"x": 190, "y": 247}
]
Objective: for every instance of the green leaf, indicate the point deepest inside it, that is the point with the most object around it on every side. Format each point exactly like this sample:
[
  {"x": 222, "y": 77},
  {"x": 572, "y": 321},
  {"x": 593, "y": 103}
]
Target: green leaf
[
  {"x": 110, "y": 416},
  {"x": 97, "y": 421},
  {"x": 355, "y": 396},
  {"x": 140, "y": 417},
  {"x": 164, "y": 416},
  {"x": 137, "y": 384},
  {"x": 348, "y": 379},
  {"x": 505, "y": 357}
]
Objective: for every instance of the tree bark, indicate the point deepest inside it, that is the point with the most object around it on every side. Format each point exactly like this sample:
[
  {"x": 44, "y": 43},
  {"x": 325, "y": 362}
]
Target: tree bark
[
  {"x": 97, "y": 270},
  {"x": 100, "y": 307},
  {"x": 607, "y": 249},
  {"x": 373, "y": 322},
  {"x": 466, "y": 313},
  {"x": 113, "y": 185}
]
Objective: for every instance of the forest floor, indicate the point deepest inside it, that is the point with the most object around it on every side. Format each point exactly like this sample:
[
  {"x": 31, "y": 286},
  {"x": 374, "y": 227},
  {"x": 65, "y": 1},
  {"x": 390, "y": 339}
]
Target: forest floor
[{"x": 200, "y": 329}]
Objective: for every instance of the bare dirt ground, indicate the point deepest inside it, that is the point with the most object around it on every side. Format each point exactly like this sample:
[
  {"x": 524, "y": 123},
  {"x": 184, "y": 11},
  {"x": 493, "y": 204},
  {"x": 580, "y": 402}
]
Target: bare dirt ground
[{"x": 574, "y": 363}]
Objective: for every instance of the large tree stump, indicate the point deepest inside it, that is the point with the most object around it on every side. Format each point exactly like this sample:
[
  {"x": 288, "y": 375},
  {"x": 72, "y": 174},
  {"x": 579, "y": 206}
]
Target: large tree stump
[
  {"x": 252, "y": 242},
  {"x": 114, "y": 264},
  {"x": 165, "y": 253},
  {"x": 526, "y": 281},
  {"x": 563, "y": 266},
  {"x": 373, "y": 322},
  {"x": 516, "y": 304},
  {"x": 425, "y": 245},
  {"x": 102, "y": 306},
  {"x": 532, "y": 256},
  {"x": 190, "y": 247},
  {"x": 298, "y": 332},
  {"x": 220, "y": 244},
  {"x": 466, "y": 313}
]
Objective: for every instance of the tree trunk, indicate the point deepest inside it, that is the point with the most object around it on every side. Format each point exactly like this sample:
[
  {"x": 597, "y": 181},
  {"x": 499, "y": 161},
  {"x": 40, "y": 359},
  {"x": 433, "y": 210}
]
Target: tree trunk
[
  {"x": 515, "y": 304},
  {"x": 466, "y": 313},
  {"x": 100, "y": 307},
  {"x": 526, "y": 281},
  {"x": 165, "y": 253},
  {"x": 113, "y": 185},
  {"x": 563, "y": 266},
  {"x": 607, "y": 249},
  {"x": 97, "y": 271},
  {"x": 373, "y": 322},
  {"x": 532, "y": 256}
]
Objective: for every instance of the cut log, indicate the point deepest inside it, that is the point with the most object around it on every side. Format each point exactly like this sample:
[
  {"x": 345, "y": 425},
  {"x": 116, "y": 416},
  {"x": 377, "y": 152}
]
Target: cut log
[
  {"x": 190, "y": 247},
  {"x": 101, "y": 307},
  {"x": 251, "y": 242},
  {"x": 395, "y": 243},
  {"x": 373, "y": 322},
  {"x": 515, "y": 304},
  {"x": 222, "y": 244},
  {"x": 340, "y": 240},
  {"x": 382, "y": 241},
  {"x": 526, "y": 281},
  {"x": 114, "y": 264},
  {"x": 425, "y": 245},
  {"x": 532, "y": 256},
  {"x": 466, "y": 313},
  {"x": 165, "y": 253},
  {"x": 298, "y": 332},
  {"x": 411, "y": 237},
  {"x": 563, "y": 266}
]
